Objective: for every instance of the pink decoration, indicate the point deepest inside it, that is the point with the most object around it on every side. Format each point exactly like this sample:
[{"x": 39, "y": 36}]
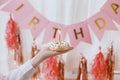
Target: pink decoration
[
  {"x": 79, "y": 32},
  {"x": 35, "y": 22},
  {"x": 12, "y": 5},
  {"x": 3, "y": 1},
  {"x": 50, "y": 68},
  {"x": 21, "y": 9},
  {"x": 27, "y": 17},
  {"x": 100, "y": 23},
  {"x": 99, "y": 67},
  {"x": 52, "y": 32},
  {"x": 112, "y": 8},
  {"x": 11, "y": 35}
]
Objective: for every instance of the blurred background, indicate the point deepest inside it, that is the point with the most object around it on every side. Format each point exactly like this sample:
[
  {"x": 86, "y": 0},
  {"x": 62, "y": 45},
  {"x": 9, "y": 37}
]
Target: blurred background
[{"x": 65, "y": 12}]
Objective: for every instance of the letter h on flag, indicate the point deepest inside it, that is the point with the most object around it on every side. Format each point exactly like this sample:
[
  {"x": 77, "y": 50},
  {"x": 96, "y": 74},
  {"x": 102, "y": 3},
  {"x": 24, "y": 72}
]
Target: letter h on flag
[{"x": 79, "y": 32}]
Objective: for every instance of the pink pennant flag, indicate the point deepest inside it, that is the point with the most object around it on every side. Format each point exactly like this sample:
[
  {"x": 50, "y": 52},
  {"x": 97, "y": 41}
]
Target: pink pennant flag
[
  {"x": 54, "y": 32},
  {"x": 12, "y": 6},
  {"x": 112, "y": 8},
  {"x": 100, "y": 23},
  {"x": 35, "y": 22},
  {"x": 20, "y": 9},
  {"x": 3, "y": 1},
  {"x": 79, "y": 32}
]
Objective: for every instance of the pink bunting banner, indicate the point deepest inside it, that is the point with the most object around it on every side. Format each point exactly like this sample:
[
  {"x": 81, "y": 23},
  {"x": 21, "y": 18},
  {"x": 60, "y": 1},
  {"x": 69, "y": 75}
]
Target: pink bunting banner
[
  {"x": 27, "y": 17},
  {"x": 100, "y": 23},
  {"x": 112, "y": 8},
  {"x": 54, "y": 32},
  {"x": 3, "y": 1},
  {"x": 79, "y": 32}
]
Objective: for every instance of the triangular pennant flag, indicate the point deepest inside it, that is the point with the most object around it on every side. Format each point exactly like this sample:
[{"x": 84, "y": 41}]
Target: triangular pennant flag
[
  {"x": 52, "y": 32},
  {"x": 112, "y": 8},
  {"x": 12, "y": 6},
  {"x": 100, "y": 23},
  {"x": 35, "y": 22},
  {"x": 20, "y": 9},
  {"x": 79, "y": 32}
]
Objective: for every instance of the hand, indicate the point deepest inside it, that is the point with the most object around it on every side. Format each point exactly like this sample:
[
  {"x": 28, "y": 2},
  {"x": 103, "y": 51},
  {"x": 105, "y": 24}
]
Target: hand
[
  {"x": 49, "y": 53},
  {"x": 44, "y": 54}
]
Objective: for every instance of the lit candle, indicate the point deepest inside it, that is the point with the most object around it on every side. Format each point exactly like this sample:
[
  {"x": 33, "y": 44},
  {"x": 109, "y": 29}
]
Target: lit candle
[{"x": 59, "y": 32}]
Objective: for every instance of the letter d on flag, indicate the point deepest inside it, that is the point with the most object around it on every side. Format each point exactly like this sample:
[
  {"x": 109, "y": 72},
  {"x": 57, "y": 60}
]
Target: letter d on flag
[{"x": 100, "y": 23}]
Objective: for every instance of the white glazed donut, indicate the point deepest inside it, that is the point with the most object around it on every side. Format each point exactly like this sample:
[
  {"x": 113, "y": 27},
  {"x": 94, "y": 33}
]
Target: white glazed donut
[{"x": 58, "y": 46}]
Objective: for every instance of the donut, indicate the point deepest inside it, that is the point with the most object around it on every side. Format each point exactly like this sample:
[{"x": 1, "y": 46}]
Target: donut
[{"x": 59, "y": 46}]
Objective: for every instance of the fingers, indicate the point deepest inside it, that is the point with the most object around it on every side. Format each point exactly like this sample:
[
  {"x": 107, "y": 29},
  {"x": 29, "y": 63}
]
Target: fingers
[
  {"x": 70, "y": 48},
  {"x": 49, "y": 52},
  {"x": 62, "y": 52}
]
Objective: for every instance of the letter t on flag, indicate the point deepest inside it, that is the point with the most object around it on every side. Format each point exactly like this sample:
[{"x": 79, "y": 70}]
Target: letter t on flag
[
  {"x": 79, "y": 32},
  {"x": 100, "y": 23},
  {"x": 52, "y": 32}
]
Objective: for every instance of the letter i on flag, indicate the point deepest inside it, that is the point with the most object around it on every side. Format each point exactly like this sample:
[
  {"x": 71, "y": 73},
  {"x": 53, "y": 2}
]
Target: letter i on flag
[
  {"x": 20, "y": 9},
  {"x": 12, "y": 5}
]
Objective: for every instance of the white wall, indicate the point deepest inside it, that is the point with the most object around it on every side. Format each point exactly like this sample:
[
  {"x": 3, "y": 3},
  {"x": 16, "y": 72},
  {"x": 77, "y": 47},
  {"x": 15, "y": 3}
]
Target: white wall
[{"x": 66, "y": 12}]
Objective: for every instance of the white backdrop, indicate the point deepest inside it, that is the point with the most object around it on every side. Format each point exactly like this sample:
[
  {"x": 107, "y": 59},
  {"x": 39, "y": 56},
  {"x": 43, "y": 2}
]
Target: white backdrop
[{"x": 66, "y": 12}]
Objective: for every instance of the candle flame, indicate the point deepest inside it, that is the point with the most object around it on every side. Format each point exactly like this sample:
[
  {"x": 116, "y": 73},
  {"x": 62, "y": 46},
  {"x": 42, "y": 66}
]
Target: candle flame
[{"x": 59, "y": 31}]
